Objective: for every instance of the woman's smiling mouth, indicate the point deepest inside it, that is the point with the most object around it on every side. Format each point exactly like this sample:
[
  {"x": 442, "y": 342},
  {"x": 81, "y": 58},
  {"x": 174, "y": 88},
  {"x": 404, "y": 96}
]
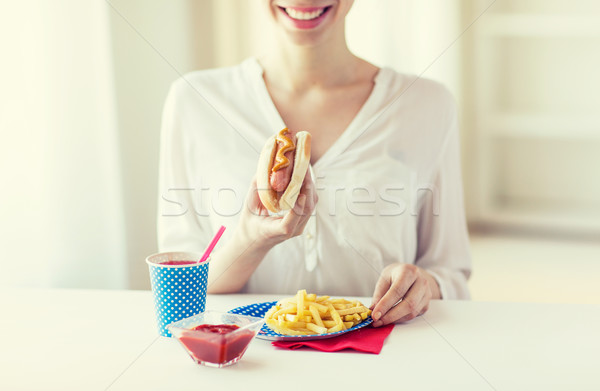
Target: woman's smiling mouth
[
  {"x": 305, "y": 17},
  {"x": 305, "y": 13}
]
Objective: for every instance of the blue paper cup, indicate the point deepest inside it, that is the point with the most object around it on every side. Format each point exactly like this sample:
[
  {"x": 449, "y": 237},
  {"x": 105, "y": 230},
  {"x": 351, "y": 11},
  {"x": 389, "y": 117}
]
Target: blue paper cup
[{"x": 179, "y": 290}]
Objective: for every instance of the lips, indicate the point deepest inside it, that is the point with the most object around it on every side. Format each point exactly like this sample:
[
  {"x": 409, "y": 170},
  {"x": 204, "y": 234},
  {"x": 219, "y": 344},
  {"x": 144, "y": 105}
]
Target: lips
[{"x": 305, "y": 17}]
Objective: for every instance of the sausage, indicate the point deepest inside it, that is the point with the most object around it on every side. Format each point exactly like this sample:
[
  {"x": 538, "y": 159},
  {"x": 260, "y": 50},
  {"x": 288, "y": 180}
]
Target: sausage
[
  {"x": 281, "y": 172},
  {"x": 282, "y": 166}
]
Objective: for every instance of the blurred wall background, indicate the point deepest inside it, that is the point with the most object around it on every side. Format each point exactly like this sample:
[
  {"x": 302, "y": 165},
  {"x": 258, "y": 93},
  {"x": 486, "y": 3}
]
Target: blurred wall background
[
  {"x": 84, "y": 84},
  {"x": 62, "y": 201}
]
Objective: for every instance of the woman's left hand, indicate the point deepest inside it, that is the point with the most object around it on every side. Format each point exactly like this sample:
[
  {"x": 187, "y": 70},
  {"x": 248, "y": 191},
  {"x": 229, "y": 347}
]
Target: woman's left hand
[{"x": 402, "y": 293}]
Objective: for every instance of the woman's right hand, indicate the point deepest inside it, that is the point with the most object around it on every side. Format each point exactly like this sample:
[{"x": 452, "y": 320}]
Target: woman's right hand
[
  {"x": 256, "y": 233},
  {"x": 266, "y": 231}
]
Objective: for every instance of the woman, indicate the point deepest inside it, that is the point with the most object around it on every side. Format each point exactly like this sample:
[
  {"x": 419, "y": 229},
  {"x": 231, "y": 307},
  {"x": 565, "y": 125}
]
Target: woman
[{"x": 380, "y": 213}]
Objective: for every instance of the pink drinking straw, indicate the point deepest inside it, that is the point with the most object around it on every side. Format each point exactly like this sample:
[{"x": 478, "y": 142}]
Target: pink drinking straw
[{"x": 212, "y": 244}]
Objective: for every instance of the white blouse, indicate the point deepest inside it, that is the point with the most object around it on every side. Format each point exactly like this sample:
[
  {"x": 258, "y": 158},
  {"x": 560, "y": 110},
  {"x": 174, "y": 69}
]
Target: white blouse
[{"x": 389, "y": 188}]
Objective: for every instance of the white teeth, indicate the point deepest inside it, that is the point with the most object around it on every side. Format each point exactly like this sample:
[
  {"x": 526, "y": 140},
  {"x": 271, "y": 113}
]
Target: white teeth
[{"x": 299, "y": 15}]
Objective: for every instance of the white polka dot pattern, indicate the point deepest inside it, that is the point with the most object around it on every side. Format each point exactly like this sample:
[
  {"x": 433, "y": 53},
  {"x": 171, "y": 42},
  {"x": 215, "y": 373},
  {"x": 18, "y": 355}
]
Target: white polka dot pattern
[{"x": 179, "y": 292}]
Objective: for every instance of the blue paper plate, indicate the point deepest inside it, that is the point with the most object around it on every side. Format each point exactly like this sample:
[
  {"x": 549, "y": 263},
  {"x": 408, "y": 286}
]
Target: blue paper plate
[{"x": 260, "y": 309}]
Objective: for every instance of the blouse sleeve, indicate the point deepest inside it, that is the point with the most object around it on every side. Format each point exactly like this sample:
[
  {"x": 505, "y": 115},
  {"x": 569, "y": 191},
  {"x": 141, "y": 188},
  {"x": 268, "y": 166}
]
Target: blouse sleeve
[
  {"x": 443, "y": 243},
  {"x": 178, "y": 225}
]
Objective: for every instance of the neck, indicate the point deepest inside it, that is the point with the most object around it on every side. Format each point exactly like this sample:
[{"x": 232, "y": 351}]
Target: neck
[{"x": 298, "y": 67}]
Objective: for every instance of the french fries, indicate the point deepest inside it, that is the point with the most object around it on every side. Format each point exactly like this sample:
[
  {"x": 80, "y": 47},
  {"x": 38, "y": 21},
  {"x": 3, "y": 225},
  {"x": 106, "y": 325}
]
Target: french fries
[{"x": 307, "y": 314}]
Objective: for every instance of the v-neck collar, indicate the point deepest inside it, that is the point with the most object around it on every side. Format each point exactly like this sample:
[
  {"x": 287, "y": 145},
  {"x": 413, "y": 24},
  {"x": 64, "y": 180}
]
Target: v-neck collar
[{"x": 354, "y": 130}]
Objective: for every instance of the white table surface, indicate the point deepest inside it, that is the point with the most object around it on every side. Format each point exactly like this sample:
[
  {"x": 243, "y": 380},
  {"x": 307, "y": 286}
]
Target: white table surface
[{"x": 106, "y": 340}]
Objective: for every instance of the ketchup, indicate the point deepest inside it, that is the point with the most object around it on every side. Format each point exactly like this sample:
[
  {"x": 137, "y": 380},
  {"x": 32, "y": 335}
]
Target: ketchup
[
  {"x": 216, "y": 343},
  {"x": 217, "y": 328}
]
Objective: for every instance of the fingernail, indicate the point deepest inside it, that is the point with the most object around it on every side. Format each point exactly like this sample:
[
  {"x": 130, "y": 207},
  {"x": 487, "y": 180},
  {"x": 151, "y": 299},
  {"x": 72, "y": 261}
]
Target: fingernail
[{"x": 376, "y": 316}]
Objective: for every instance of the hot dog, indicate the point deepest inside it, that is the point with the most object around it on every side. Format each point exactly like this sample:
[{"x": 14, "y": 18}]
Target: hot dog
[{"x": 282, "y": 166}]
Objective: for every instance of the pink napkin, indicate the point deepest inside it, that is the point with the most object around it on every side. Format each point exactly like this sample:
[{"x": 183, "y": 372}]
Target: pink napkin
[{"x": 367, "y": 340}]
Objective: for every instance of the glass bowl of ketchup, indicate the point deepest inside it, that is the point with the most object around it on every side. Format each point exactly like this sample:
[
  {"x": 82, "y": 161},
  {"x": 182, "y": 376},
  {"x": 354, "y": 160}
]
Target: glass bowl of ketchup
[{"x": 216, "y": 339}]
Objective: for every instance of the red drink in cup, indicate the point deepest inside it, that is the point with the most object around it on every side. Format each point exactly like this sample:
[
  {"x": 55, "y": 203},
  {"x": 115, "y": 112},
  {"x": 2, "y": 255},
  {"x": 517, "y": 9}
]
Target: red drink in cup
[
  {"x": 178, "y": 263},
  {"x": 178, "y": 285}
]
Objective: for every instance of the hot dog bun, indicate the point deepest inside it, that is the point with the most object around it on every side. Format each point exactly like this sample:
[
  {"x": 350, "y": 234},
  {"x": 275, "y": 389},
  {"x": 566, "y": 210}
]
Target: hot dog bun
[{"x": 277, "y": 202}]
